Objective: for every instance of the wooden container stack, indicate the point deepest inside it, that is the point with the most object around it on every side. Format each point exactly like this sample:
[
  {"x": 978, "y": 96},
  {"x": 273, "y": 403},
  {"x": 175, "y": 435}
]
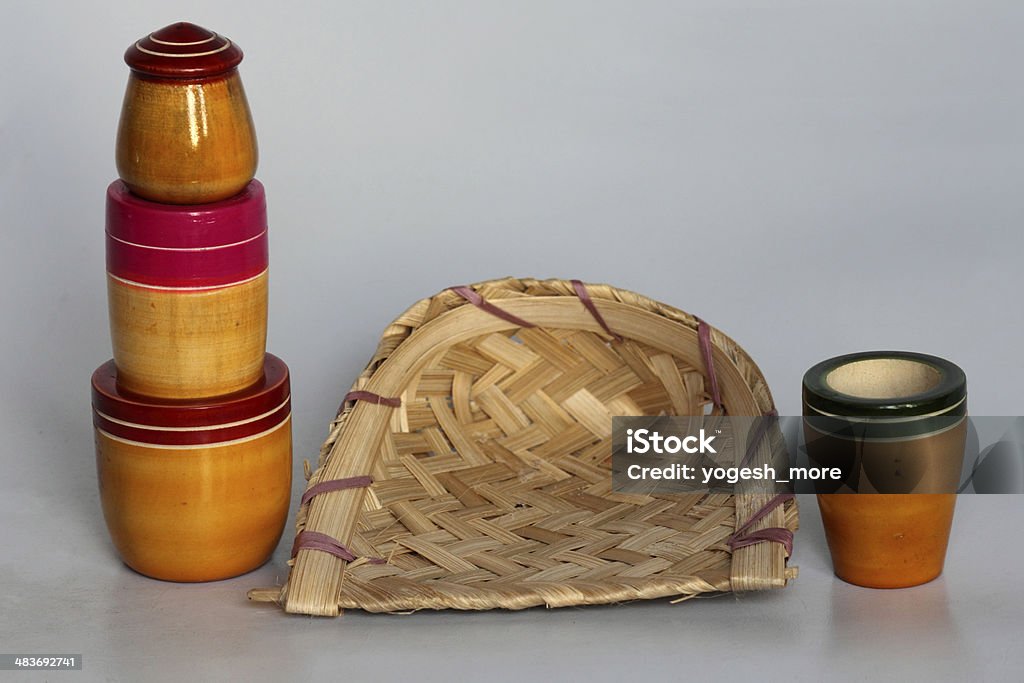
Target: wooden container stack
[{"x": 192, "y": 416}]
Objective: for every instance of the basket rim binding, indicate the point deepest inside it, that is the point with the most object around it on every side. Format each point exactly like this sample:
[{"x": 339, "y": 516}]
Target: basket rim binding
[{"x": 408, "y": 345}]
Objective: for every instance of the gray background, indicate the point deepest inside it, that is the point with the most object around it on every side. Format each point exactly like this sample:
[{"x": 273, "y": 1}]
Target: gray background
[{"x": 812, "y": 177}]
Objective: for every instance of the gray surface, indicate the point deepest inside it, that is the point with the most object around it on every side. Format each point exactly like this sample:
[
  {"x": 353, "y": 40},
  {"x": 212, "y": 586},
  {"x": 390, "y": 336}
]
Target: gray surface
[
  {"x": 812, "y": 177},
  {"x": 964, "y": 626}
]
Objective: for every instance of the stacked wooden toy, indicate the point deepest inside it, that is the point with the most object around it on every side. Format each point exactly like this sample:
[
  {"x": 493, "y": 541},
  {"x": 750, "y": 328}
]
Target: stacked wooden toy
[{"x": 192, "y": 416}]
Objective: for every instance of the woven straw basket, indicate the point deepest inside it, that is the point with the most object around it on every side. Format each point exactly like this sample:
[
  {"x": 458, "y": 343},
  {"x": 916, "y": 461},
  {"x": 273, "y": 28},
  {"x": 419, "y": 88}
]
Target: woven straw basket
[{"x": 469, "y": 468}]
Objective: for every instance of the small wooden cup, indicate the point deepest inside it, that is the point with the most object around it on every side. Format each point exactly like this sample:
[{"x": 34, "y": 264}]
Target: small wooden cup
[
  {"x": 186, "y": 134},
  {"x": 194, "y": 491},
  {"x": 187, "y": 290},
  {"x": 896, "y": 424}
]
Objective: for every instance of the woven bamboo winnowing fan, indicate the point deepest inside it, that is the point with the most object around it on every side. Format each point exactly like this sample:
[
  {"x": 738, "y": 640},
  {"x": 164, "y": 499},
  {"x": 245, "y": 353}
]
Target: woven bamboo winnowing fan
[{"x": 470, "y": 467}]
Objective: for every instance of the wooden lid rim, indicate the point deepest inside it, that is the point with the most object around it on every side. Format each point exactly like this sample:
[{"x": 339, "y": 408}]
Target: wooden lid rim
[
  {"x": 946, "y": 397},
  {"x": 182, "y": 246},
  {"x": 133, "y": 219},
  {"x": 270, "y": 394}
]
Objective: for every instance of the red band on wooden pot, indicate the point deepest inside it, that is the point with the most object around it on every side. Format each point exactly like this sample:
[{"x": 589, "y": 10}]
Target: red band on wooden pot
[
  {"x": 202, "y": 245},
  {"x": 206, "y": 421}
]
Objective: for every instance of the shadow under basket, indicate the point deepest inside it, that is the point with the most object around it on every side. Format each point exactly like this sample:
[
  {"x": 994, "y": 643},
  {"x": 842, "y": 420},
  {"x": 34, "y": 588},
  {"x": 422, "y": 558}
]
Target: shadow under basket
[{"x": 470, "y": 467}]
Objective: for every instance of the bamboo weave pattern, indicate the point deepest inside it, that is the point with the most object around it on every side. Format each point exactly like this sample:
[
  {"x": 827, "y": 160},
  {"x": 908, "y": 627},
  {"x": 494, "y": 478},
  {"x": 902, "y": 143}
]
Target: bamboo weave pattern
[{"x": 491, "y": 483}]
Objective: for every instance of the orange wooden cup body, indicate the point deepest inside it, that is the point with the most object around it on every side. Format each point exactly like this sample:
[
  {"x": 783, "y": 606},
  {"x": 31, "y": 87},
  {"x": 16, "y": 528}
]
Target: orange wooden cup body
[
  {"x": 206, "y": 499},
  {"x": 187, "y": 293},
  {"x": 887, "y": 540},
  {"x": 186, "y": 134}
]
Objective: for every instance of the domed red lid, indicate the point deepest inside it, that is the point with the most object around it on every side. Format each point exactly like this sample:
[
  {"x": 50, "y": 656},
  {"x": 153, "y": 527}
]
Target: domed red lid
[{"x": 183, "y": 50}]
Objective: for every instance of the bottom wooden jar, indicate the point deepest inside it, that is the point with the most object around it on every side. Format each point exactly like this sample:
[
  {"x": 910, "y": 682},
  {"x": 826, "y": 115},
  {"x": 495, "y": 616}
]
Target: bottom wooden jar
[{"x": 194, "y": 490}]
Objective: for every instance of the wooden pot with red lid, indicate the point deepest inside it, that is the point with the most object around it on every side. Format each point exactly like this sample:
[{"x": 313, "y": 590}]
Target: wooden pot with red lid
[
  {"x": 194, "y": 490},
  {"x": 186, "y": 134}
]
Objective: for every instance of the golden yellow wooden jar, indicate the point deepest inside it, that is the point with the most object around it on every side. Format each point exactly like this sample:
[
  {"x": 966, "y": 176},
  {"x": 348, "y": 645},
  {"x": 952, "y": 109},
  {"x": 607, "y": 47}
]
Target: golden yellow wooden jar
[
  {"x": 186, "y": 134},
  {"x": 194, "y": 491},
  {"x": 187, "y": 290}
]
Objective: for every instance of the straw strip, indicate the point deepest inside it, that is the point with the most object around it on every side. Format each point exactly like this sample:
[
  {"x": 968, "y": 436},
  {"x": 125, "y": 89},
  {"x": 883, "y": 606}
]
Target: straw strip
[
  {"x": 369, "y": 397},
  {"x": 335, "y": 485},
  {"x": 704, "y": 341},
  {"x": 314, "y": 540},
  {"x": 584, "y": 295},
  {"x": 742, "y": 537},
  {"x": 484, "y": 305},
  {"x": 759, "y": 433}
]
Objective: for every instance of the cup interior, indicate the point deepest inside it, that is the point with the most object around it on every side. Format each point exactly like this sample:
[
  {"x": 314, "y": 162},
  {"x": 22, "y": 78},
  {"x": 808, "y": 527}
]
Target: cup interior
[{"x": 883, "y": 378}]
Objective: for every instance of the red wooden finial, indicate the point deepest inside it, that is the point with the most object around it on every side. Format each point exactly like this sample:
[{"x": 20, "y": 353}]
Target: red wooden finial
[{"x": 183, "y": 50}]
